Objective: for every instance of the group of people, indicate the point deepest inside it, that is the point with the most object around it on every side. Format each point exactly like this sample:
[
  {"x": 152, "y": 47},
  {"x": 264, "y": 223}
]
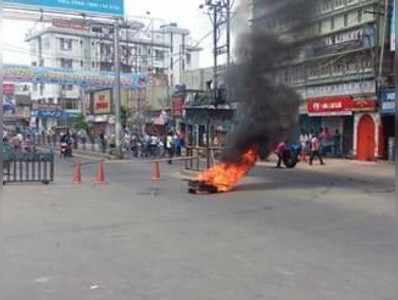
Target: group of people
[
  {"x": 19, "y": 142},
  {"x": 313, "y": 145},
  {"x": 152, "y": 145},
  {"x": 330, "y": 143}
]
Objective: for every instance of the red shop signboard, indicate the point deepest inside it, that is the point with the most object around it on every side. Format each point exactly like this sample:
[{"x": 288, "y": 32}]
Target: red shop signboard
[
  {"x": 178, "y": 106},
  {"x": 338, "y": 106}
]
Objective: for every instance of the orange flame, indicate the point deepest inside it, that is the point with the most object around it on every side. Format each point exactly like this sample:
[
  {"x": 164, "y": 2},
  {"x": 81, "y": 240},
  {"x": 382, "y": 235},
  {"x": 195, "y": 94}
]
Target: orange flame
[{"x": 224, "y": 176}]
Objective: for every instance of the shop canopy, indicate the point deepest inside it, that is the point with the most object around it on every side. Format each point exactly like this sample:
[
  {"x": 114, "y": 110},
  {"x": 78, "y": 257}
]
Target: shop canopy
[{"x": 86, "y": 79}]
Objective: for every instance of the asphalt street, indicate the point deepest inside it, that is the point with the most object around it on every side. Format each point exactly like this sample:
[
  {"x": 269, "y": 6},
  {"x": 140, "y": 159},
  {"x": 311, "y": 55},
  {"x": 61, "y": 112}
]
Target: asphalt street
[{"x": 304, "y": 234}]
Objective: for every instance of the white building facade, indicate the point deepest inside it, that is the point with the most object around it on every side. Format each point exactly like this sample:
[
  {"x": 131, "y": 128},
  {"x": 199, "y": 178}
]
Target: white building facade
[{"x": 78, "y": 46}]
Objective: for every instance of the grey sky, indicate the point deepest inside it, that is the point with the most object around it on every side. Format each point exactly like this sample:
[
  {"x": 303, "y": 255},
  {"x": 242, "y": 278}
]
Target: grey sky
[{"x": 185, "y": 12}]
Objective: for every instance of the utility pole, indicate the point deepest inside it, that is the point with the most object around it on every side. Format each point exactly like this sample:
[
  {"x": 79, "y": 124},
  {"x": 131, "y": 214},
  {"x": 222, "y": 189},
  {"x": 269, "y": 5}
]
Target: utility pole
[
  {"x": 220, "y": 15},
  {"x": 228, "y": 10},
  {"x": 215, "y": 50},
  {"x": 395, "y": 12},
  {"x": 1, "y": 98},
  {"x": 117, "y": 88}
]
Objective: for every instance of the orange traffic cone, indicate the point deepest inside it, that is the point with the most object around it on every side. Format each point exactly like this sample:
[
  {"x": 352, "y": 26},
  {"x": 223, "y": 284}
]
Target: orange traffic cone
[
  {"x": 156, "y": 171},
  {"x": 100, "y": 179},
  {"x": 77, "y": 177}
]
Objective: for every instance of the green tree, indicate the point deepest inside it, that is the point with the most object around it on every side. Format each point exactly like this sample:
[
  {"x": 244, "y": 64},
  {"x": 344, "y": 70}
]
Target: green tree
[
  {"x": 124, "y": 115},
  {"x": 80, "y": 123}
]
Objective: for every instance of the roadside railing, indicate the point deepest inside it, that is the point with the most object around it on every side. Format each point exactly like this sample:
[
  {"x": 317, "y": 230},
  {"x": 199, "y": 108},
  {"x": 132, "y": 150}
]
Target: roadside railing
[
  {"x": 28, "y": 167},
  {"x": 200, "y": 158}
]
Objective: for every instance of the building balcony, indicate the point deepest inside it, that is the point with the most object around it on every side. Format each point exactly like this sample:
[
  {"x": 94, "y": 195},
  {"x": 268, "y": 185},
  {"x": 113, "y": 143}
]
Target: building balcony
[{"x": 334, "y": 78}]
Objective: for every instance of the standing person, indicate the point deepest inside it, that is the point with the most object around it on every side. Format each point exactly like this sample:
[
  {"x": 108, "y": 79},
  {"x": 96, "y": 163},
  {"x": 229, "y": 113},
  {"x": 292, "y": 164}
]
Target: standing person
[
  {"x": 102, "y": 142},
  {"x": 153, "y": 145},
  {"x": 50, "y": 136},
  {"x": 304, "y": 145},
  {"x": 28, "y": 144},
  {"x": 177, "y": 142},
  {"x": 133, "y": 147},
  {"x": 316, "y": 149},
  {"x": 280, "y": 149},
  {"x": 337, "y": 143},
  {"x": 169, "y": 146},
  {"x": 146, "y": 145},
  {"x": 82, "y": 137}
]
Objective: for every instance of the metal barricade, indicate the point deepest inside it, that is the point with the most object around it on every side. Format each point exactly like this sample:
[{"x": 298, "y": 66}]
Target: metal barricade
[{"x": 29, "y": 167}]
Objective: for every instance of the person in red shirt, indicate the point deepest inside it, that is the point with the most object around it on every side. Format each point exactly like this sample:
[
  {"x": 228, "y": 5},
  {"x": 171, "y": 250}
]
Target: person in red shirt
[{"x": 280, "y": 149}]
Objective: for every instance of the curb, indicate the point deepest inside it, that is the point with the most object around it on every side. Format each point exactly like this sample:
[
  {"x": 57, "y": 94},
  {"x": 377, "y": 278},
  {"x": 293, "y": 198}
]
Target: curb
[{"x": 85, "y": 154}]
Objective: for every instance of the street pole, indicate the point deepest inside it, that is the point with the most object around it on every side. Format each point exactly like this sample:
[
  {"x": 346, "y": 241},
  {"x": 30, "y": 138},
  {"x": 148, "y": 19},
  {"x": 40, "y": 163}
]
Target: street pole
[
  {"x": 228, "y": 11},
  {"x": 117, "y": 89},
  {"x": 215, "y": 38},
  {"x": 1, "y": 97},
  {"x": 396, "y": 89}
]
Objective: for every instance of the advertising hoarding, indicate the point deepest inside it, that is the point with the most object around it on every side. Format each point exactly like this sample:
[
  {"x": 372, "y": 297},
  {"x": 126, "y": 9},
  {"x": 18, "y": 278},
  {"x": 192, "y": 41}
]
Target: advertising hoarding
[
  {"x": 96, "y": 7},
  {"x": 102, "y": 102}
]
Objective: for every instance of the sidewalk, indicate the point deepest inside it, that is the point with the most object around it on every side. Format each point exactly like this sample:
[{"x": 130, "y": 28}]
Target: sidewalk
[{"x": 346, "y": 167}]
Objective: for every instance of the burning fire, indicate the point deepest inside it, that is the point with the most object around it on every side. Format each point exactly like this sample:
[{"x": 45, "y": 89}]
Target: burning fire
[{"x": 225, "y": 175}]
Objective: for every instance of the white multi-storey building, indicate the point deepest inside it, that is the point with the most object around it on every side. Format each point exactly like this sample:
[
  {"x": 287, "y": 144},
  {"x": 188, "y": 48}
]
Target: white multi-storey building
[{"x": 167, "y": 50}]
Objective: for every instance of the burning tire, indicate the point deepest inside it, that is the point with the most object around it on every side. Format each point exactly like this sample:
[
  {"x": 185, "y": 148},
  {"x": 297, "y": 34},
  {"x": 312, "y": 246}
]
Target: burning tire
[{"x": 290, "y": 159}]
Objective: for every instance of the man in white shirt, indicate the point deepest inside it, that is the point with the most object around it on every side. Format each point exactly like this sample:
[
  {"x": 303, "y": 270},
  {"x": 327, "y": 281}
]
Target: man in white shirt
[{"x": 315, "y": 149}]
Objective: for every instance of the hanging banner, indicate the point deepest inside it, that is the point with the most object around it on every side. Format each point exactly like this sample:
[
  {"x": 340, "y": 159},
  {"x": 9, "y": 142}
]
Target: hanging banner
[
  {"x": 96, "y": 7},
  {"x": 86, "y": 79}
]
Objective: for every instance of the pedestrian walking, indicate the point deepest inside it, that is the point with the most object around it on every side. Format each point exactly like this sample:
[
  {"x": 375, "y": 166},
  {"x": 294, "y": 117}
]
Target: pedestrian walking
[
  {"x": 280, "y": 149},
  {"x": 315, "y": 150}
]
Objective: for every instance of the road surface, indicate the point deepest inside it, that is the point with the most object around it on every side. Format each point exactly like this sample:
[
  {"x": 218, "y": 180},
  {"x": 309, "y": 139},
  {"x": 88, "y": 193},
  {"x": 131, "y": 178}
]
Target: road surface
[{"x": 308, "y": 233}]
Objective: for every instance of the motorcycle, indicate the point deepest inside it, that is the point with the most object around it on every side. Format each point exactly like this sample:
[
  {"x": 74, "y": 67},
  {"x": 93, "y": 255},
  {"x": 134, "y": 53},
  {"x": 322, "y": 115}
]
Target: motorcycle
[{"x": 66, "y": 150}]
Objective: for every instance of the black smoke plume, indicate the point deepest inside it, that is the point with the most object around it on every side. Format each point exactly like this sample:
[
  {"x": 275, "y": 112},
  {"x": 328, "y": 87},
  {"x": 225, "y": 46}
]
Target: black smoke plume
[{"x": 267, "y": 110}]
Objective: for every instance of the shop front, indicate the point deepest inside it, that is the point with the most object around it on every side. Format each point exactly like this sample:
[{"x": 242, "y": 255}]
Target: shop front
[
  {"x": 387, "y": 136},
  {"x": 351, "y": 125},
  {"x": 199, "y": 122}
]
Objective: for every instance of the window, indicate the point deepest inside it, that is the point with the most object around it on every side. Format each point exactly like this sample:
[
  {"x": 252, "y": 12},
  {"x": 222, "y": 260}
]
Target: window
[
  {"x": 189, "y": 58},
  {"x": 159, "y": 55},
  {"x": 65, "y": 44},
  {"x": 359, "y": 15},
  {"x": 67, "y": 87},
  {"x": 345, "y": 20},
  {"x": 46, "y": 43},
  {"x": 332, "y": 23},
  {"x": 66, "y": 63},
  {"x": 320, "y": 27}
]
